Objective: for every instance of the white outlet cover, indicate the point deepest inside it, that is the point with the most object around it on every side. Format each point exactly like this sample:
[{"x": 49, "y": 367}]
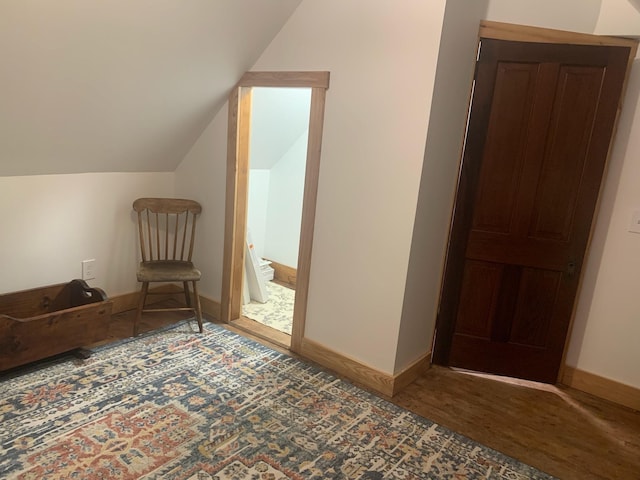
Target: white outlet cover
[
  {"x": 634, "y": 223},
  {"x": 88, "y": 269}
]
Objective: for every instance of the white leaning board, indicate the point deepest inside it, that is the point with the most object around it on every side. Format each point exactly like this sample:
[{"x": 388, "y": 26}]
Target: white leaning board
[{"x": 255, "y": 280}]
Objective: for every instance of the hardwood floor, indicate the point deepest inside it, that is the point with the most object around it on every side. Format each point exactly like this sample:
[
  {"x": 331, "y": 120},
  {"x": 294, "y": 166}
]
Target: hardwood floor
[{"x": 564, "y": 432}]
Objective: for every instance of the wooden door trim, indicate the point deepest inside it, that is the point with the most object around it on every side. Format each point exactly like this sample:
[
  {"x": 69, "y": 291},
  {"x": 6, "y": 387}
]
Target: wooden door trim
[
  {"x": 526, "y": 33},
  {"x": 235, "y": 203},
  {"x": 285, "y": 79},
  {"x": 522, "y": 33},
  {"x": 237, "y": 181},
  {"x": 316, "y": 123}
]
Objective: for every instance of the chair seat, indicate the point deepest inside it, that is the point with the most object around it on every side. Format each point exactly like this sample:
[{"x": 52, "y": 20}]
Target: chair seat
[{"x": 167, "y": 271}]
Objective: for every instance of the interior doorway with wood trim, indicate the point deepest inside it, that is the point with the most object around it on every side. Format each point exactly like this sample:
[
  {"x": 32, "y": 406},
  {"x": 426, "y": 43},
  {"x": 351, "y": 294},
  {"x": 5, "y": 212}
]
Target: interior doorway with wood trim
[
  {"x": 240, "y": 276},
  {"x": 541, "y": 122}
]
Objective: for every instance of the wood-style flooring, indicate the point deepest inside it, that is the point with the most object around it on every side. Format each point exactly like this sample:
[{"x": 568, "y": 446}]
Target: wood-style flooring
[{"x": 564, "y": 432}]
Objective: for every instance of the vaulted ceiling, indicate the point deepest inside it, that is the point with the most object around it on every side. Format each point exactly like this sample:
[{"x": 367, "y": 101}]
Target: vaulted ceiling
[
  {"x": 120, "y": 85},
  {"x": 278, "y": 117}
]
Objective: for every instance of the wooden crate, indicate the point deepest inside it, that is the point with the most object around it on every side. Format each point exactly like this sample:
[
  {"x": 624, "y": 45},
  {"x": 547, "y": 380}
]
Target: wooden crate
[{"x": 46, "y": 321}]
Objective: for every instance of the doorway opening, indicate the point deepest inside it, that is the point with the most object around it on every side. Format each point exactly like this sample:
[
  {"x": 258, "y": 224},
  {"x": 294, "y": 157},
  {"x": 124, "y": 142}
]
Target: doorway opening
[
  {"x": 279, "y": 132},
  {"x": 265, "y": 205}
]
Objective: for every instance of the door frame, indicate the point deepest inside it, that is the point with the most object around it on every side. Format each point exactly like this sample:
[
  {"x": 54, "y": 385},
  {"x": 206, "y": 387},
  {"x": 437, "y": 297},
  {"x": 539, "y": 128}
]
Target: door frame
[
  {"x": 236, "y": 201},
  {"x": 445, "y": 323}
]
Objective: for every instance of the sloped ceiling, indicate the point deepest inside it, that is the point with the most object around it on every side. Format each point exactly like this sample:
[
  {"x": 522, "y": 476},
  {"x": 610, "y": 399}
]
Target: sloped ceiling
[
  {"x": 120, "y": 85},
  {"x": 278, "y": 117}
]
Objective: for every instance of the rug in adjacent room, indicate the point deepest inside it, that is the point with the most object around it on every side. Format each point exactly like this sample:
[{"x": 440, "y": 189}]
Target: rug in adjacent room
[
  {"x": 277, "y": 312},
  {"x": 176, "y": 404}
]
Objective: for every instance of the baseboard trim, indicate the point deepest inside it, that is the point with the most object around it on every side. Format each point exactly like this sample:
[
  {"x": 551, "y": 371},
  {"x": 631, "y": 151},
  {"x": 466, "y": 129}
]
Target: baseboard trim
[
  {"x": 353, "y": 370},
  {"x": 363, "y": 374},
  {"x": 125, "y": 302},
  {"x": 347, "y": 367},
  {"x": 210, "y": 307},
  {"x": 602, "y": 387},
  {"x": 258, "y": 330},
  {"x": 284, "y": 274},
  {"x": 411, "y": 373}
]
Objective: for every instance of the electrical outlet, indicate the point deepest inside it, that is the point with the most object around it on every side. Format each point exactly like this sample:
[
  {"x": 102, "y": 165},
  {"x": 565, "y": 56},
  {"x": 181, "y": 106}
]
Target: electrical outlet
[{"x": 88, "y": 269}]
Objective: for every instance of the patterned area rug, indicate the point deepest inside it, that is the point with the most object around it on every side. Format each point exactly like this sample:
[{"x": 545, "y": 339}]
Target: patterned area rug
[
  {"x": 179, "y": 405},
  {"x": 277, "y": 312}
]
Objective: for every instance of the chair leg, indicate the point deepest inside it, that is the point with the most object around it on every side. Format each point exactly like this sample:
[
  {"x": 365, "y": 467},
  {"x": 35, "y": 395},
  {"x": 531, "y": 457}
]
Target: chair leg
[
  {"x": 198, "y": 308},
  {"x": 141, "y": 300},
  {"x": 187, "y": 297}
]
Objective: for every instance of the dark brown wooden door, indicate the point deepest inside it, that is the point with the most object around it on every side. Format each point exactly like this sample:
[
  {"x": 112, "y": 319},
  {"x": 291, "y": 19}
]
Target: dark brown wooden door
[{"x": 541, "y": 121}]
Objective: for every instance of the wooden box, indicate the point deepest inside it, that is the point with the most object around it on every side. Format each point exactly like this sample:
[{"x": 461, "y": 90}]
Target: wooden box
[{"x": 46, "y": 321}]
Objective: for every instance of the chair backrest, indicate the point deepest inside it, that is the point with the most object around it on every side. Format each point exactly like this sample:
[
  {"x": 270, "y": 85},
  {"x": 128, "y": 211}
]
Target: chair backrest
[{"x": 166, "y": 227}]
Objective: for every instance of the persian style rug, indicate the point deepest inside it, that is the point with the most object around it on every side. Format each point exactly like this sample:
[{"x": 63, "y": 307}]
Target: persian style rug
[
  {"x": 176, "y": 404},
  {"x": 277, "y": 312}
]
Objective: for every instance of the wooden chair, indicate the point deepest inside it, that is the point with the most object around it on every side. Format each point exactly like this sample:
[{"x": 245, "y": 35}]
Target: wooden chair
[{"x": 167, "y": 227}]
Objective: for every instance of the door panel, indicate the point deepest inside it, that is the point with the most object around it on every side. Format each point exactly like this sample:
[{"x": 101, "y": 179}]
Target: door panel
[
  {"x": 569, "y": 132},
  {"x": 498, "y": 184},
  {"x": 539, "y": 131},
  {"x": 536, "y": 298},
  {"x": 480, "y": 288}
]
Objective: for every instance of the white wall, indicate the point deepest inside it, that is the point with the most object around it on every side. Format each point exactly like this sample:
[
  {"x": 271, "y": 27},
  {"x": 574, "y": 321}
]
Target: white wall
[
  {"x": 275, "y": 205},
  {"x": 619, "y": 17},
  {"x": 456, "y": 61},
  {"x": 53, "y": 222},
  {"x": 257, "y": 207},
  {"x": 278, "y": 151},
  {"x": 382, "y": 58},
  {"x": 284, "y": 214},
  {"x": 202, "y": 176},
  {"x": 278, "y": 117},
  {"x": 571, "y": 15}
]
